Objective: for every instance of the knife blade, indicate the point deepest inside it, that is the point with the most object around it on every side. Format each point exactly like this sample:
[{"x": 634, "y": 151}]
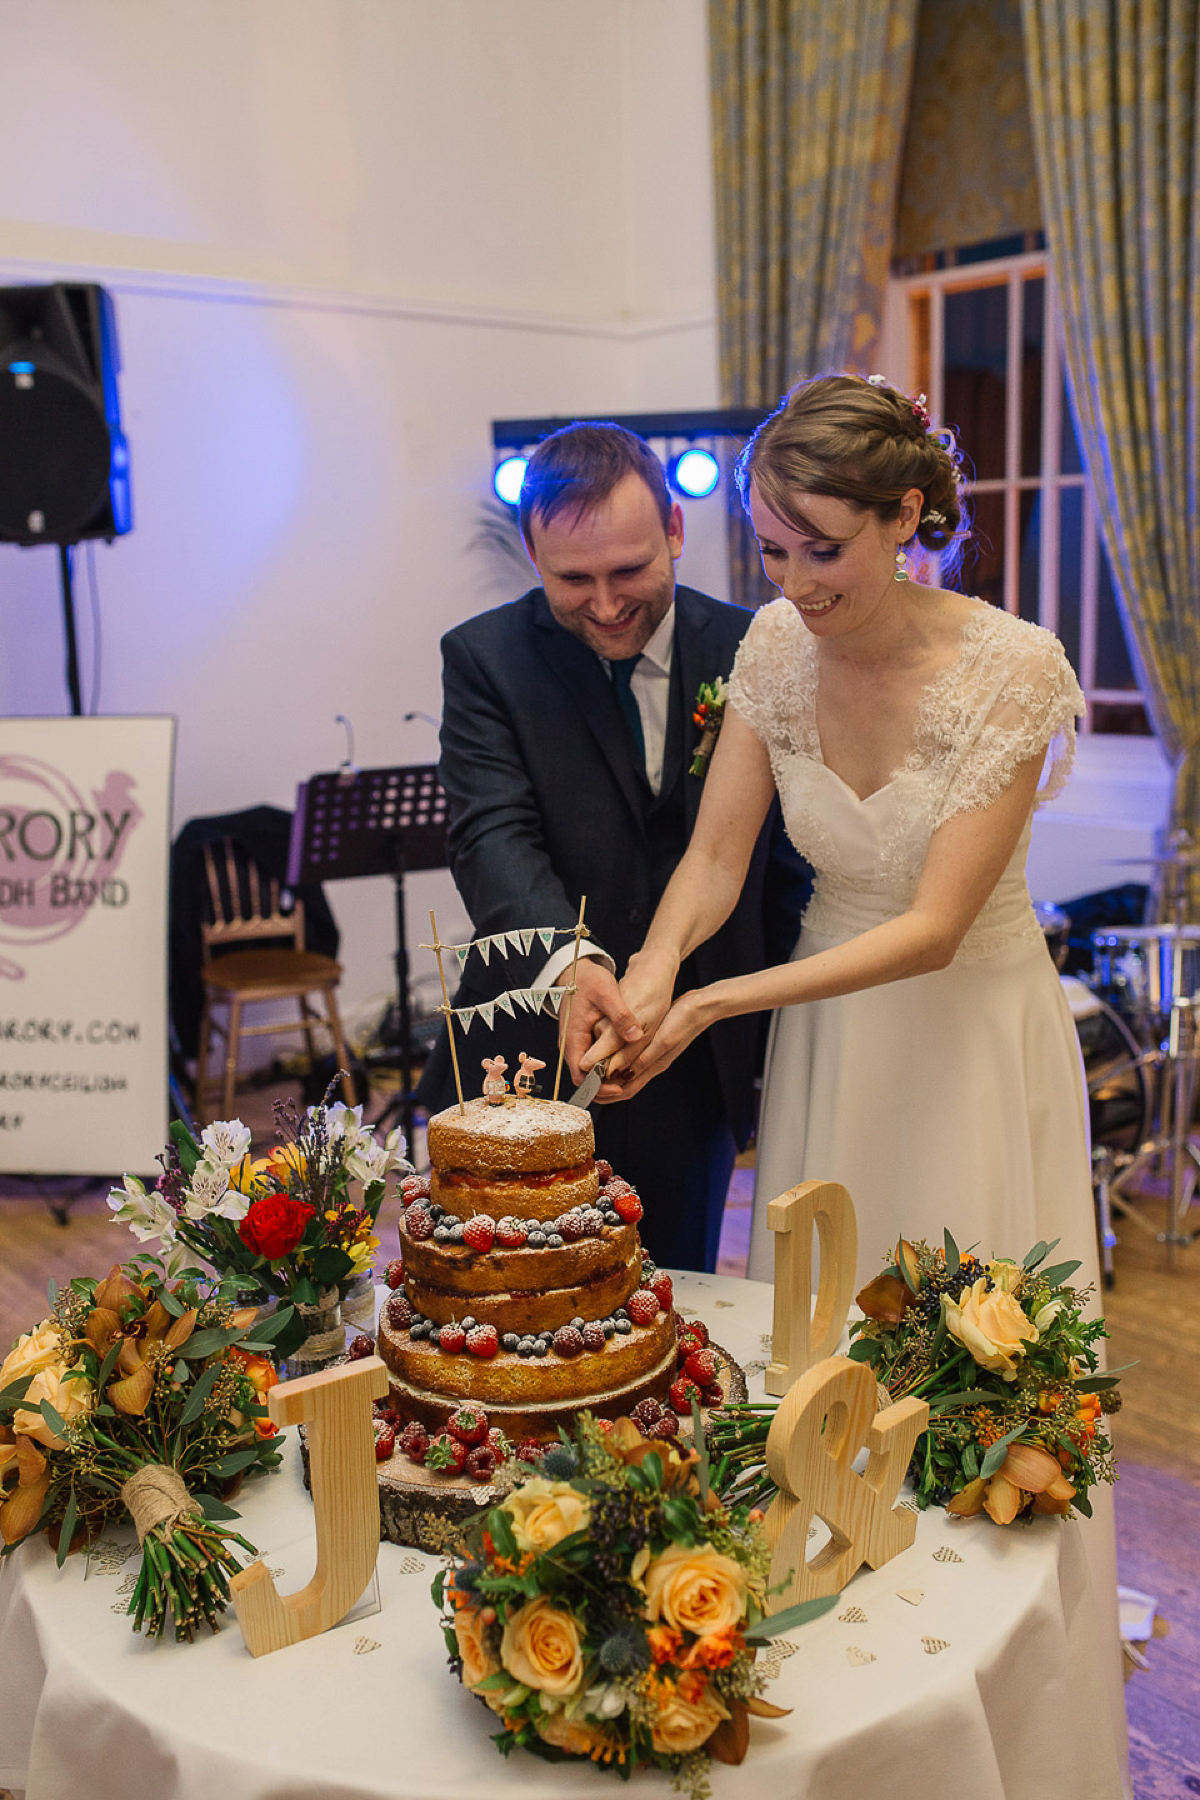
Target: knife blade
[{"x": 589, "y": 1087}]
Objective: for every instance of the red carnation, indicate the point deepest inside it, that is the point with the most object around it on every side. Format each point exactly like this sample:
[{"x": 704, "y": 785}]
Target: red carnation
[{"x": 274, "y": 1225}]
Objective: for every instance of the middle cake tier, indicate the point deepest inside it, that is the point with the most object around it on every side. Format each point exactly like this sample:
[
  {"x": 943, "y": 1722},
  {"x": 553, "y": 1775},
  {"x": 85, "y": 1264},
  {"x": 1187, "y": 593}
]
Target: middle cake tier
[{"x": 524, "y": 1290}]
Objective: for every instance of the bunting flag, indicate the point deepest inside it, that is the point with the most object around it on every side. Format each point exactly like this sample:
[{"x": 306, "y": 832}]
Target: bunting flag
[
  {"x": 526, "y": 938},
  {"x": 464, "y": 1015},
  {"x": 486, "y": 1010},
  {"x": 484, "y": 947},
  {"x": 514, "y": 938},
  {"x": 504, "y": 1002},
  {"x": 537, "y": 999},
  {"x": 547, "y": 935},
  {"x": 556, "y": 999},
  {"x": 462, "y": 951}
]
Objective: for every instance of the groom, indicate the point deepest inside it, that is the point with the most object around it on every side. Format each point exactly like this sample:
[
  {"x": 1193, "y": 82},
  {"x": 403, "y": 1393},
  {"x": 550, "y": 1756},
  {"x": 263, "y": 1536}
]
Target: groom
[{"x": 567, "y": 743}]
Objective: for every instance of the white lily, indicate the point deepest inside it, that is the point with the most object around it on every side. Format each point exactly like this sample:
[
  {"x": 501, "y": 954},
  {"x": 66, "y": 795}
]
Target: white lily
[
  {"x": 207, "y": 1187},
  {"x": 146, "y": 1214},
  {"x": 226, "y": 1141}
]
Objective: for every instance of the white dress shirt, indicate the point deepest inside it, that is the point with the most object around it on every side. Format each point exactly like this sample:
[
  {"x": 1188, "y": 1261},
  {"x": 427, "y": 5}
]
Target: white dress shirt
[{"x": 650, "y": 686}]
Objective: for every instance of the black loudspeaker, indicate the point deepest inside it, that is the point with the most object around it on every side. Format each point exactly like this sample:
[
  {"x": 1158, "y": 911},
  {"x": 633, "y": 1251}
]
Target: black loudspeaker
[{"x": 64, "y": 462}]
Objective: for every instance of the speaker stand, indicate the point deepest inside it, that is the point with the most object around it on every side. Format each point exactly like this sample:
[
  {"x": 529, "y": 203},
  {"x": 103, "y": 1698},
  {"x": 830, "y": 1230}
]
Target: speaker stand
[{"x": 64, "y": 570}]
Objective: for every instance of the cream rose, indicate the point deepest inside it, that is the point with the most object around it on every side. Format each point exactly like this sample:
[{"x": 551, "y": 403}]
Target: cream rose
[
  {"x": 578, "y": 1737},
  {"x": 544, "y": 1512},
  {"x": 477, "y": 1660},
  {"x": 684, "y": 1725},
  {"x": 992, "y": 1327},
  {"x": 68, "y": 1398},
  {"x": 541, "y": 1647},
  {"x": 36, "y": 1350},
  {"x": 695, "y": 1589},
  {"x": 1006, "y": 1274}
]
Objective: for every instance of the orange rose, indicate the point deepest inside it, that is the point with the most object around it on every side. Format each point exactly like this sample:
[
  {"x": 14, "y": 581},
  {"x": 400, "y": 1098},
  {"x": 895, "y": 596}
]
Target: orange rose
[
  {"x": 696, "y": 1589},
  {"x": 541, "y": 1647},
  {"x": 477, "y": 1660}
]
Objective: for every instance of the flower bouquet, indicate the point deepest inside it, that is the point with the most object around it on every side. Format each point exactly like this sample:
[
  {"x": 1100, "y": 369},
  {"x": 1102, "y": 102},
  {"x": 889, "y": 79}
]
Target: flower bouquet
[
  {"x": 135, "y": 1395},
  {"x": 610, "y": 1606},
  {"x": 1006, "y": 1360},
  {"x": 284, "y": 1225}
]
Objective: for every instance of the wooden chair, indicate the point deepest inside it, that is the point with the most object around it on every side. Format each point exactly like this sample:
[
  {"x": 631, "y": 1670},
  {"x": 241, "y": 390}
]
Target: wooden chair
[{"x": 267, "y": 970}]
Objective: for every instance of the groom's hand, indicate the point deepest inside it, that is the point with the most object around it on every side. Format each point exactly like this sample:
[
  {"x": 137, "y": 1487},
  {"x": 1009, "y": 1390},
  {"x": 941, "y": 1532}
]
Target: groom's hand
[{"x": 597, "y": 1008}]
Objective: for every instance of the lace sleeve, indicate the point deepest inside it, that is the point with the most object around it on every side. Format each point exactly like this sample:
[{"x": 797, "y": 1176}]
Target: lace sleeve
[
  {"x": 1021, "y": 699},
  {"x": 767, "y": 685}
]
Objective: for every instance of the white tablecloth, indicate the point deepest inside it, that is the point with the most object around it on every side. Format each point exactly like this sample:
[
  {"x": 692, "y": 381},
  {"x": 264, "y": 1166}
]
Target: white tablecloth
[{"x": 1014, "y": 1706}]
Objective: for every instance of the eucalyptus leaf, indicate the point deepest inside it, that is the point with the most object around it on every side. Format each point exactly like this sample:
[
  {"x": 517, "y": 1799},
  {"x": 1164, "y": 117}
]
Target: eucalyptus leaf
[
  {"x": 109, "y": 1364},
  {"x": 790, "y": 1618},
  {"x": 1082, "y": 1504},
  {"x": 1039, "y": 1253},
  {"x": 207, "y": 1343},
  {"x": 965, "y": 1397},
  {"x": 864, "y": 1349},
  {"x": 212, "y": 1508},
  {"x": 201, "y": 1389},
  {"x": 700, "y": 1445},
  {"x": 266, "y": 1330},
  {"x": 53, "y": 1418},
  {"x": 52, "y": 1291},
  {"x": 437, "y": 1591},
  {"x": 953, "y": 1258},
  {"x": 15, "y": 1392},
  {"x": 172, "y": 1302},
  {"x": 67, "y": 1530},
  {"x": 233, "y": 1463},
  {"x": 1059, "y": 1273},
  {"x": 999, "y": 1450}
]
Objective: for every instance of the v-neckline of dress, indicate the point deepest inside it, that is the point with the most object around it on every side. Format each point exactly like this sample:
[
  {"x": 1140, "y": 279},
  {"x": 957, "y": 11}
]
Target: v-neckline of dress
[{"x": 971, "y": 630}]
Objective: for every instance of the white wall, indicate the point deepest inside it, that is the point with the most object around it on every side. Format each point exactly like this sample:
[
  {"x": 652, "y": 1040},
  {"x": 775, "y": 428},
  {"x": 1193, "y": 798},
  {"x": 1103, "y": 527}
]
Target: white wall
[{"x": 342, "y": 236}]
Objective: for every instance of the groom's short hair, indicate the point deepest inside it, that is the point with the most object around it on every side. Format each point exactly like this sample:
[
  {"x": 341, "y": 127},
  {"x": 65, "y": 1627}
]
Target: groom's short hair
[{"x": 576, "y": 468}]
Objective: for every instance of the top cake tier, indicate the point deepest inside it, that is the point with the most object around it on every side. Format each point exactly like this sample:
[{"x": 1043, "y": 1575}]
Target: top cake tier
[{"x": 532, "y": 1158}]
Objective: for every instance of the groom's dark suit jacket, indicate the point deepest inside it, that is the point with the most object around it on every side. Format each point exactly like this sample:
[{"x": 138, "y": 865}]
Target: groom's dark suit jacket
[{"x": 548, "y": 803}]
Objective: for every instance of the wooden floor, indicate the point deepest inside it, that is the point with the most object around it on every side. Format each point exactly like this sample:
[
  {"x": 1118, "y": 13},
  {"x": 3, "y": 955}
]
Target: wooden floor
[{"x": 1153, "y": 1316}]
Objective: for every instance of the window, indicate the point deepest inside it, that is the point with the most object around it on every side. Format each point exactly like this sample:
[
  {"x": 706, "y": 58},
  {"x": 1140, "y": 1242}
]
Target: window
[{"x": 982, "y": 341}]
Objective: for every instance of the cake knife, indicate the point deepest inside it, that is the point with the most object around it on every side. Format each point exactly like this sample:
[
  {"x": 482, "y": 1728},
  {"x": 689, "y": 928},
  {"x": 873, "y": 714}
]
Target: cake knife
[{"x": 589, "y": 1087}]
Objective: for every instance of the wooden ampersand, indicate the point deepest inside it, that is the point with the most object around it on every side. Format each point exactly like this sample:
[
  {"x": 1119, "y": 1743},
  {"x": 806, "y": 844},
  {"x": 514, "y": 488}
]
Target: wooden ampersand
[
  {"x": 822, "y": 1423},
  {"x": 801, "y": 1336},
  {"x": 336, "y": 1407}
]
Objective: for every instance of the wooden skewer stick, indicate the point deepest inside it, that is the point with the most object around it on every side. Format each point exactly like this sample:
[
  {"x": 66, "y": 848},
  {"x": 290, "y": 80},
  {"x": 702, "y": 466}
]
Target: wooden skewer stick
[
  {"x": 562, "y": 1036},
  {"x": 437, "y": 947}
]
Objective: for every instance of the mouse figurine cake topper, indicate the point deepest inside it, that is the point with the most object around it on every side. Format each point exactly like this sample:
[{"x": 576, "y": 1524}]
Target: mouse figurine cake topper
[{"x": 495, "y": 1087}]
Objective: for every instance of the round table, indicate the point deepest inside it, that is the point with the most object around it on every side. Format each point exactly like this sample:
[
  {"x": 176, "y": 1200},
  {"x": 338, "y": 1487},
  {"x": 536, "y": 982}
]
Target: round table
[{"x": 969, "y": 1665}]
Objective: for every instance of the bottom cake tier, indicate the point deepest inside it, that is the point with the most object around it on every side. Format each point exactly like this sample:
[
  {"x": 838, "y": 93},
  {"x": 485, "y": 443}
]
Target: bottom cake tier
[{"x": 428, "y": 1508}]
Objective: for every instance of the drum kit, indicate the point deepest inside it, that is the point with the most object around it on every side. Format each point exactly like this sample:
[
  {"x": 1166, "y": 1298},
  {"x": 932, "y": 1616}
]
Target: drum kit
[{"x": 1138, "y": 1021}]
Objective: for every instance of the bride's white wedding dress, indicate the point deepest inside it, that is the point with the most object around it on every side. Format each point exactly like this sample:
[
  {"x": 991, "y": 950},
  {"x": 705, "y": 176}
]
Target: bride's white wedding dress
[
  {"x": 954, "y": 1098},
  {"x": 949, "y": 1099}
]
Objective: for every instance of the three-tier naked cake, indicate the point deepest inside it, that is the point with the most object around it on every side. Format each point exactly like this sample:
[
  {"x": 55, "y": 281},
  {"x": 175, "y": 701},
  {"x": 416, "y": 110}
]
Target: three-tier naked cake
[{"x": 524, "y": 1286}]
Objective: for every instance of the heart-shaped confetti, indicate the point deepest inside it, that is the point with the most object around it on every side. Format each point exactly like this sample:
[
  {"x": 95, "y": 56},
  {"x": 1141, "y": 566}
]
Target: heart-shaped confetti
[
  {"x": 723, "y": 1302},
  {"x": 277, "y": 1572},
  {"x": 858, "y": 1659},
  {"x": 812, "y": 1531},
  {"x": 412, "y": 1565},
  {"x": 853, "y": 1615},
  {"x": 364, "y": 1645},
  {"x": 914, "y": 1596},
  {"x": 946, "y": 1554},
  {"x": 934, "y": 1646}
]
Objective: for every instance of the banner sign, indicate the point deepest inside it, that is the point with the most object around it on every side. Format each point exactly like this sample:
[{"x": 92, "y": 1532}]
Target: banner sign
[{"x": 85, "y": 824}]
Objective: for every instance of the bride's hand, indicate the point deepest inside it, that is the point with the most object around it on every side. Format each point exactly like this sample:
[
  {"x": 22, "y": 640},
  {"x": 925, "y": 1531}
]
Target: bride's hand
[
  {"x": 684, "y": 1022},
  {"x": 646, "y": 990}
]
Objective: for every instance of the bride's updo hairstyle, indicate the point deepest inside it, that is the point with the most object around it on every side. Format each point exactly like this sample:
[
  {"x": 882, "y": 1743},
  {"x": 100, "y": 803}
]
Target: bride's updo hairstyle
[{"x": 860, "y": 441}]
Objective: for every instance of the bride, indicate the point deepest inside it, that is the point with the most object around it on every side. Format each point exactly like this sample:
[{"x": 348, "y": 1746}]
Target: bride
[{"x": 922, "y": 1052}]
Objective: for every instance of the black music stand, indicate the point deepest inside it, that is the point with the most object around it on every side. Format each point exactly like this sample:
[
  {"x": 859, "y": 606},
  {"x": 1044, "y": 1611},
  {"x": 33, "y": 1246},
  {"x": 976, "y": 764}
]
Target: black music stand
[{"x": 373, "y": 822}]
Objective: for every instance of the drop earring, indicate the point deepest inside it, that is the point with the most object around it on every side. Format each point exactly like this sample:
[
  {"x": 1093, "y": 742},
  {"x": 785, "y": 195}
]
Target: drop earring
[{"x": 901, "y": 564}]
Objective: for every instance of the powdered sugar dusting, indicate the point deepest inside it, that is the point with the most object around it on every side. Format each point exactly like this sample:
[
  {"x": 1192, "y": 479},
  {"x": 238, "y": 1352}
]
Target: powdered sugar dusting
[{"x": 524, "y": 1122}]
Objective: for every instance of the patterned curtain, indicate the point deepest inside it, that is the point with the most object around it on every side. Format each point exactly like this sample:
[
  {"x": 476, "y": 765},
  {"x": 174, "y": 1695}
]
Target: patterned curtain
[
  {"x": 809, "y": 102},
  {"x": 1115, "y": 94}
]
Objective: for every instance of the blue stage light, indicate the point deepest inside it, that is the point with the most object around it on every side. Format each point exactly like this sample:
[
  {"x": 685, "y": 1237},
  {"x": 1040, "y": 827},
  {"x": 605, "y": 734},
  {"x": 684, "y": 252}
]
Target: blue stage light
[
  {"x": 508, "y": 477},
  {"x": 21, "y": 368},
  {"x": 694, "y": 473}
]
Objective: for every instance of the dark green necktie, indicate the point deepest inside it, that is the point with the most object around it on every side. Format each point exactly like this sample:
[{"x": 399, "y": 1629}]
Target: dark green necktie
[{"x": 622, "y": 675}]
